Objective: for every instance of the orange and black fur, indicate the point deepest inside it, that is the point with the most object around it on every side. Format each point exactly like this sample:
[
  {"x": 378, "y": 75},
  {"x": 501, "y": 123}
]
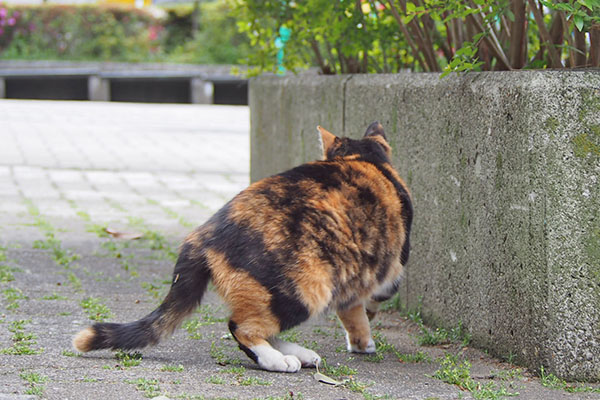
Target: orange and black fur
[{"x": 331, "y": 234}]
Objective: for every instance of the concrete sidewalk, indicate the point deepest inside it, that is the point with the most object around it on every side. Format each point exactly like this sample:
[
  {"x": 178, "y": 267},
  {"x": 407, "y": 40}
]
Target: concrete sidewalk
[{"x": 68, "y": 170}]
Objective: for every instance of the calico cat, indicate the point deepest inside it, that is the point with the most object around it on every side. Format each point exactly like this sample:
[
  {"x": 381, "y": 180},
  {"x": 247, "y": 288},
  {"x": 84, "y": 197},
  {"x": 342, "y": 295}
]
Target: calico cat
[{"x": 330, "y": 234}]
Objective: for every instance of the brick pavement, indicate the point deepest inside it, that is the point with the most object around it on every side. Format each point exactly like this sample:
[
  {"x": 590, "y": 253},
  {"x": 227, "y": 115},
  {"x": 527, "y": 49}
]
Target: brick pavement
[
  {"x": 70, "y": 169},
  {"x": 113, "y": 158}
]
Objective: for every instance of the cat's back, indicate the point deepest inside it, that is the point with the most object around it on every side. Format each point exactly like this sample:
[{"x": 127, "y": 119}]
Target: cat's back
[
  {"x": 330, "y": 231},
  {"x": 339, "y": 210}
]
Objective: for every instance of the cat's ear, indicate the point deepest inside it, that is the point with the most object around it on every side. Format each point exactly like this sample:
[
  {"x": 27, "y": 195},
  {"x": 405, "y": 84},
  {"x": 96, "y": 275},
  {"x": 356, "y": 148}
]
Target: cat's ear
[
  {"x": 327, "y": 139},
  {"x": 375, "y": 129},
  {"x": 375, "y": 132}
]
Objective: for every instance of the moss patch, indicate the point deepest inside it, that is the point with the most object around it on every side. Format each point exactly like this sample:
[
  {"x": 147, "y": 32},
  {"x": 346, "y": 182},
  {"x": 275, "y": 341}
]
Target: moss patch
[
  {"x": 551, "y": 124},
  {"x": 587, "y": 142}
]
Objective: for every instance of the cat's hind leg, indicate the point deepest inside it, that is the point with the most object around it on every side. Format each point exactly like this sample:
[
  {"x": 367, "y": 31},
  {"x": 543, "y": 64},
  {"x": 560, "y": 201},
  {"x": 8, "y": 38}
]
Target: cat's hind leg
[
  {"x": 251, "y": 338},
  {"x": 307, "y": 357},
  {"x": 358, "y": 330}
]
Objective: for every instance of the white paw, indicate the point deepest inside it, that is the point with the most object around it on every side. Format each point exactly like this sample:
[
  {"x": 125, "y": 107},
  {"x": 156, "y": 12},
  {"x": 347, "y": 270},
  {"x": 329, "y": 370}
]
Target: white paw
[
  {"x": 293, "y": 364},
  {"x": 370, "y": 348},
  {"x": 307, "y": 357},
  {"x": 272, "y": 360}
]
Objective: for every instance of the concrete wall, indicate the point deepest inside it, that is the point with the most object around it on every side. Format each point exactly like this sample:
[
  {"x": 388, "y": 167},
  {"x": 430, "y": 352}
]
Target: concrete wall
[{"x": 504, "y": 169}]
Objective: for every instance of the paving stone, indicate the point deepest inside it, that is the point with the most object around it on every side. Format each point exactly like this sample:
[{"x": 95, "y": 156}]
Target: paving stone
[{"x": 87, "y": 165}]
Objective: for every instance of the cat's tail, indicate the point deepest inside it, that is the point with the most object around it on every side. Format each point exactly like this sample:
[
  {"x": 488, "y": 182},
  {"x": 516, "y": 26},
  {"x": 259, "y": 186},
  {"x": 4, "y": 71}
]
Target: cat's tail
[{"x": 190, "y": 278}]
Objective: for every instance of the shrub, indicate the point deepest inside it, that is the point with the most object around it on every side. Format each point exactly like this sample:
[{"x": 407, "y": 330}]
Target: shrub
[
  {"x": 216, "y": 41},
  {"x": 347, "y": 36},
  {"x": 81, "y": 32},
  {"x": 118, "y": 33}
]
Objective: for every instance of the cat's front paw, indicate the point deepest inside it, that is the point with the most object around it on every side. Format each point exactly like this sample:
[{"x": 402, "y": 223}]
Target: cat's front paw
[
  {"x": 360, "y": 346},
  {"x": 281, "y": 364},
  {"x": 272, "y": 360},
  {"x": 307, "y": 357}
]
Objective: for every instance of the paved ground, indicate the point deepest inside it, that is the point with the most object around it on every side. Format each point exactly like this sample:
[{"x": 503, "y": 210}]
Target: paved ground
[{"x": 69, "y": 170}]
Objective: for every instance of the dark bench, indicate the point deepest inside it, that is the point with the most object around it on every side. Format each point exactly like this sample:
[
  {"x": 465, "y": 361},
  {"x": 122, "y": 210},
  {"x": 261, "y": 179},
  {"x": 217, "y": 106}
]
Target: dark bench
[{"x": 177, "y": 85}]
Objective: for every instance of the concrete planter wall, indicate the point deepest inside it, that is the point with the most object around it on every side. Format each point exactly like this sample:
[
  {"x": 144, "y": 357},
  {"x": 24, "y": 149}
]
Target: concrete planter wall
[{"x": 505, "y": 173}]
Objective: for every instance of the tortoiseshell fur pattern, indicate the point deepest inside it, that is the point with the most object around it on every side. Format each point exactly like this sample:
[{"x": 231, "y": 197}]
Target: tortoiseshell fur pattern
[{"x": 326, "y": 235}]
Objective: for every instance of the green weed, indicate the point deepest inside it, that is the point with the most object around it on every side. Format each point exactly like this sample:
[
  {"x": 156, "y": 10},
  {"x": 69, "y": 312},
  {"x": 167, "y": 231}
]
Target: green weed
[
  {"x": 35, "y": 381},
  {"x": 128, "y": 360},
  {"x": 193, "y": 326},
  {"x": 251, "y": 381},
  {"x": 98, "y": 229},
  {"x": 432, "y": 338},
  {"x": 358, "y": 387},
  {"x": 418, "y": 357},
  {"x": 240, "y": 370},
  {"x": 69, "y": 353},
  {"x": 551, "y": 381},
  {"x": 321, "y": 331},
  {"x": 441, "y": 335},
  {"x": 33, "y": 377},
  {"x": 150, "y": 387},
  {"x": 156, "y": 241},
  {"x": 338, "y": 371},
  {"x": 11, "y": 296},
  {"x": 95, "y": 310},
  {"x": 511, "y": 374},
  {"x": 218, "y": 354},
  {"x": 459, "y": 373},
  {"x": 74, "y": 280},
  {"x": 54, "y": 296},
  {"x": 215, "y": 380},
  {"x": 155, "y": 289},
  {"x": 394, "y": 303},
  {"x": 7, "y": 273},
  {"x": 22, "y": 341},
  {"x": 61, "y": 256},
  {"x": 172, "y": 368},
  {"x": 382, "y": 347},
  {"x": 84, "y": 216}
]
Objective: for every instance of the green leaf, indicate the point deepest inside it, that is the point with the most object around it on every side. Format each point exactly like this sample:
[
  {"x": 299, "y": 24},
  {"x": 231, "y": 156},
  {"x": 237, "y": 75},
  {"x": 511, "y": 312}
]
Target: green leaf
[
  {"x": 407, "y": 19},
  {"x": 586, "y": 4},
  {"x": 578, "y": 20},
  {"x": 510, "y": 15}
]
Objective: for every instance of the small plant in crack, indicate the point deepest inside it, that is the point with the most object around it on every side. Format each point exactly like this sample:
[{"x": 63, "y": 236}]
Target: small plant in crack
[
  {"x": 149, "y": 387},
  {"x": 455, "y": 372},
  {"x": 95, "y": 310},
  {"x": 36, "y": 383},
  {"x": 128, "y": 360},
  {"x": 23, "y": 342},
  {"x": 11, "y": 296}
]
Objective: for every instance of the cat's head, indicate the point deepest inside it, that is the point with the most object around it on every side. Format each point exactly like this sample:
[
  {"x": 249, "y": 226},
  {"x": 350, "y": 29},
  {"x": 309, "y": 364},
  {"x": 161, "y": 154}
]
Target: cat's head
[{"x": 373, "y": 146}]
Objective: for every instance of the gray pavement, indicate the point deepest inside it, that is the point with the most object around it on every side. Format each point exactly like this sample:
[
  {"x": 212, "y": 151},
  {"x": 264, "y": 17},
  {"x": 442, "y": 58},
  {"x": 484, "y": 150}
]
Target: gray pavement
[{"x": 68, "y": 170}]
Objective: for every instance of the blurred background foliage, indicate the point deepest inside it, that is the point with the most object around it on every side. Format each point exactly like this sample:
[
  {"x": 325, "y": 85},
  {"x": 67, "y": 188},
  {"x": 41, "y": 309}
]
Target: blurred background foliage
[
  {"x": 188, "y": 33},
  {"x": 360, "y": 36},
  {"x": 336, "y": 36}
]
